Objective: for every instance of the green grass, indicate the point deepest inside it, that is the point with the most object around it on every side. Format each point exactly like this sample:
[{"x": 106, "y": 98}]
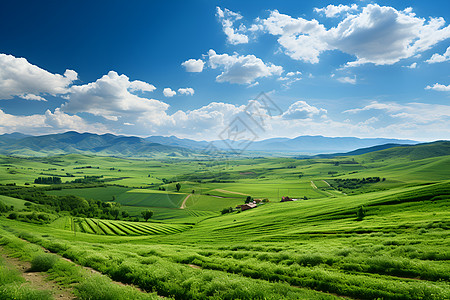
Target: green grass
[
  {"x": 307, "y": 249},
  {"x": 150, "y": 198},
  {"x": 17, "y": 203}
]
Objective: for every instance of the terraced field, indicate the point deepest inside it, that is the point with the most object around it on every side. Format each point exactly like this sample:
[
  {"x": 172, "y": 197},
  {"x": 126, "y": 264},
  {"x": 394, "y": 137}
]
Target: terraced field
[{"x": 111, "y": 227}]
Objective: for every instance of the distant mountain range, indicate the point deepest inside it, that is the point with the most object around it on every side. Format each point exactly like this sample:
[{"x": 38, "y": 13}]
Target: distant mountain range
[
  {"x": 160, "y": 146},
  {"x": 87, "y": 143},
  {"x": 301, "y": 144}
]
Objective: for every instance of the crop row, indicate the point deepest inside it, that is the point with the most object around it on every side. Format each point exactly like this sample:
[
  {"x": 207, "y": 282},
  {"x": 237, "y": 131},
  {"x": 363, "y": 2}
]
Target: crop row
[{"x": 109, "y": 227}]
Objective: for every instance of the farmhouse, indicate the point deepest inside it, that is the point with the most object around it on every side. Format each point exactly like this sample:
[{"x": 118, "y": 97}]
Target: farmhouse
[
  {"x": 286, "y": 199},
  {"x": 248, "y": 206}
]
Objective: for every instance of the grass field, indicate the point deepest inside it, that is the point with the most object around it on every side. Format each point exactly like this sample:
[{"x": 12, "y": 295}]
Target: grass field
[{"x": 377, "y": 240}]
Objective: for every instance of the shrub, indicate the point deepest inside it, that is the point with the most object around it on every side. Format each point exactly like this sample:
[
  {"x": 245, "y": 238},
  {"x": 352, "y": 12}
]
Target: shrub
[
  {"x": 12, "y": 216},
  {"x": 43, "y": 262},
  {"x": 360, "y": 214}
]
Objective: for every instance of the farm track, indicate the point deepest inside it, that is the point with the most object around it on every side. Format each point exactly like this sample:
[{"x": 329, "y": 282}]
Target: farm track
[
  {"x": 230, "y": 192},
  {"x": 91, "y": 270},
  {"x": 316, "y": 188},
  {"x": 38, "y": 280},
  {"x": 333, "y": 188},
  {"x": 183, "y": 205}
]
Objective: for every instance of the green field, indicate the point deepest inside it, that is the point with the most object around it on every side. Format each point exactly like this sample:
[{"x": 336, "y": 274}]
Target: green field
[{"x": 384, "y": 238}]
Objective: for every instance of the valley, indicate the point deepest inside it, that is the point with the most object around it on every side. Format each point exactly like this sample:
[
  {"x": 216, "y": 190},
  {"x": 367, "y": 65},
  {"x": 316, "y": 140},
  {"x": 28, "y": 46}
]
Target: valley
[{"x": 364, "y": 226}]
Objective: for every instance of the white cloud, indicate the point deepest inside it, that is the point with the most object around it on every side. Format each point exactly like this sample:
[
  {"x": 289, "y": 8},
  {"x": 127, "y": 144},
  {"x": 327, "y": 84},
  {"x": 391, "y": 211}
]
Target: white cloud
[
  {"x": 193, "y": 65},
  {"x": 138, "y": 85},
  {"x": 436, "y": 58},
  {"x": 439, "y": 87},
  {"x": 290, "y": 78},
  {"x": 32, "y": 97},
  {"x": 332, "y": 11},
  {"x": 347, "y": 79},
  {"x": 412, "y": 66},
  {"x": 186, "y": 91},
  {"x": 302, "y": 110},
  {"x": 419, "y": 113},
  {"x": 47, "y": 123},
  {"x": 168, "y": 92},
  {"x": 293, "y": 73},
  {"x": 20, "y": 78},
  {"x": 110, "y": 98},
  {"x": 380, "y": 35},
  {"x": 227, "y": 18},
  {"x": 241, "y": 69}
]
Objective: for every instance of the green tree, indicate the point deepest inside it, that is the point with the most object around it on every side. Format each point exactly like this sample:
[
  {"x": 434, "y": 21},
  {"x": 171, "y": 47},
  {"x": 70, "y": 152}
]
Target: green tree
[
  {"x": 147, "y": 214},
  {"x": 360, "y": 214},
  {"x": 248, "y": 200},
  {"x": 178, "y": 186},
  {"x": 115, "y": 213}
]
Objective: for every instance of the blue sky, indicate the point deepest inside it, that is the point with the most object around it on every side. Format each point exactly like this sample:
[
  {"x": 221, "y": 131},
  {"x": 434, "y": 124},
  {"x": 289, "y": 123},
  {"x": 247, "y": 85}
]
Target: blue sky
[{"x": 189, "y": 68}]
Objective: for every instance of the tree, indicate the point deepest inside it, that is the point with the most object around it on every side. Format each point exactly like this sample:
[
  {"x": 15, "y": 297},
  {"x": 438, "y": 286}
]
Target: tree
[
  {"x": 360, "y": 214},
  {"x": 248, "y": 200},
  {"x": 115, "y": 213},
  {"x": 178, "y": 186},
  {"x": 147, "y": 214}
]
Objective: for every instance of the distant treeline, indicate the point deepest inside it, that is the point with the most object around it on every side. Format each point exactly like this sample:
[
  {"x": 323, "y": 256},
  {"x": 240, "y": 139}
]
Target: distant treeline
[
  {"x": 76, "y": 206},
  {"x": 353, "y": 183},
  {"x": 57, "y": 180},
  {"x": 48, "y": 180}
]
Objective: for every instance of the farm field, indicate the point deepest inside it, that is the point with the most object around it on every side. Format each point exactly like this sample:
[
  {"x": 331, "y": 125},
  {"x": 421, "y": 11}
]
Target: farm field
[{"x": 362, "y": 227}]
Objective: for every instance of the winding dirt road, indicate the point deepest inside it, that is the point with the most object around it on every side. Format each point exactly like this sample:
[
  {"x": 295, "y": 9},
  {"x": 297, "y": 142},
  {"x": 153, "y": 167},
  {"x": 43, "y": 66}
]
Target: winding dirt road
[{"x": 183, "y": 205}]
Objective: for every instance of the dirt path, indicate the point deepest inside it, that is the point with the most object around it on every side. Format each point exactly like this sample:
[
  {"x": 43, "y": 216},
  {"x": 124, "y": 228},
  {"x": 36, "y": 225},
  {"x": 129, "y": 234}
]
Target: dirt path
[
  {"x": 183, "y": 205},
  {"x": 84, "y": 267},
  {"x": 315, "y": 187},
  {"x": 38, "y": 280},
  {"x": 230, "y": 192},
  {"x": 333, "y": 188}
]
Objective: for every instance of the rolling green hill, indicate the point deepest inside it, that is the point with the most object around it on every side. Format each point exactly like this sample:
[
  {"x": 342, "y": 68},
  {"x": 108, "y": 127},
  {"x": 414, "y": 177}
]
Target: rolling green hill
[{"x": 373, "y": 226}]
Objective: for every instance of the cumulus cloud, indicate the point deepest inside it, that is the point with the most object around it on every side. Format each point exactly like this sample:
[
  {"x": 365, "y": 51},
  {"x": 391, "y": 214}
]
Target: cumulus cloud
[
  {"x": 332, "y": 11},
  {"x": 227, "y": 18},
  {"x": 241, "y": 69},
  {"x": 412, "y": 66},
  {"x": 439, "y": 87},
  {"x": 138, "y": 85},
  {"x": 168, "y": 92},
  {"x": 380, "y": 35},
  {"x": 302, "y": 110},
  {"x": 347, "y": 79},
  {"x": 436, "y": 58},
  {"x": 186, "y": 91},
  {"x": 193, "y": 65},
  {"x": 20, "y": 78},
  {"x": 50, "y": 122},
  {"x": 110, "y": 98}
]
